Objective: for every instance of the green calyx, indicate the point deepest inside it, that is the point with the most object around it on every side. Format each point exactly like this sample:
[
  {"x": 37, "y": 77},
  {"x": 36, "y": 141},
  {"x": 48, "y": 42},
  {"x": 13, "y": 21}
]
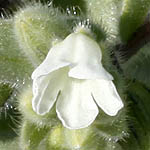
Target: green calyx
[{"x": 36, "y": 28}]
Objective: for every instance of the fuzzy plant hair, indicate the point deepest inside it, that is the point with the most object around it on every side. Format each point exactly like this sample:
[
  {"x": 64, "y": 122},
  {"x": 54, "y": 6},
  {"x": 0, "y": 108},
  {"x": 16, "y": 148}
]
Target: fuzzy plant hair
[{"x": 30, "y": 29}]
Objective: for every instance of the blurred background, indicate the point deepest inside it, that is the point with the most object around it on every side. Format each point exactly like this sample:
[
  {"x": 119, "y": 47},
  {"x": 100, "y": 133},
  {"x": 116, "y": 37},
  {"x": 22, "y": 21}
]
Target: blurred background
[{"x": 7, "y": 6}]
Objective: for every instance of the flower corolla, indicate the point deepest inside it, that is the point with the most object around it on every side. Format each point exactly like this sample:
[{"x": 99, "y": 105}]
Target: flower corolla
[{"x": 72, "y": 76}]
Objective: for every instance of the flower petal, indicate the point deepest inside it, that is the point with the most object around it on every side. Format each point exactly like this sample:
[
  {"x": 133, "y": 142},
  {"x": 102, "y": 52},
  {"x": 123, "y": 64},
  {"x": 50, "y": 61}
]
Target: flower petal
[
  {"x": 87, "y": 59},
  {"x": 106, "y": 96},
  {"x": 46, "y": 91},
  {"x": 70, "y": 52},
  {"x": 88, "y": 71},
  {"x": 39, "y": 86},
  {"x": 85, "y": 50},
  {"x": 75, "y": 106},
  {"x": 56, "y": 58}
]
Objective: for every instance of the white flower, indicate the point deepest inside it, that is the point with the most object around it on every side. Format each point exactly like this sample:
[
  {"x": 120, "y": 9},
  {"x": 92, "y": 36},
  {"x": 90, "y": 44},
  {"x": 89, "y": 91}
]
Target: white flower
[{"x": 72, "y": 75}]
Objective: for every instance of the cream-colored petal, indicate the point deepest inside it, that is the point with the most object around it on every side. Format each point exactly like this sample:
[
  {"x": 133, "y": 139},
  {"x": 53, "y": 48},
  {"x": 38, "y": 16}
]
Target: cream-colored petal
[
  {"x": 87, "y": 59},
  {"x": 56, "y": 59},
  {"x": 77, "y": 51},
  {"x": 87, "y": 71},
  {"x": 85, "y": 50},
  {"x": 106, "y": 96},
  {"x": 75, "y": 106},
  {"x": 46, "y": 91},
  {"x": 39, "y": 86}
]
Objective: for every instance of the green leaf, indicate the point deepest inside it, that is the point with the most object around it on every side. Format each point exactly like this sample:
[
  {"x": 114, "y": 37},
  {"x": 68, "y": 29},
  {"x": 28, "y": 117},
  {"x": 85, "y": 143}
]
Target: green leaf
[
  {"x": 5, "y": 91},
  {"x": 10, "y": 144},
  {"x": 37, "y": 27},
  {"x": 15, "y": 69},
  {"x": 133, "y": 16},
  {"x": 137, "y": 67},
  {"x": 139, "y": 99},
  {"x": 33, "y": 137},
  {"x": 106, "y": 14},
  {"x": 14, "y": 66}
]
